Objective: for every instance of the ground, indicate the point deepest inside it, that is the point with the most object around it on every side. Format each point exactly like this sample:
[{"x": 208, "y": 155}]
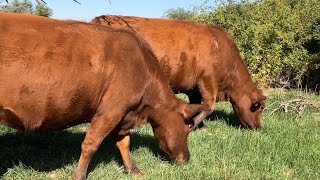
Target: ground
[{"x": 288, "y": 147}]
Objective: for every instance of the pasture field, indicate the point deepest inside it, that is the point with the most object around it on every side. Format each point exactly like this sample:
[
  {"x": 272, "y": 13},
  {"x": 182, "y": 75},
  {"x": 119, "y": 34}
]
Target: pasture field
[{"x": 288, "y": 147}]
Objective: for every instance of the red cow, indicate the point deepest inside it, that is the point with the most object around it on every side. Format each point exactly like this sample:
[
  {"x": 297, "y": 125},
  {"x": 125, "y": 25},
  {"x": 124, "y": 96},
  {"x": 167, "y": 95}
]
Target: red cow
[
  {"x": 200, "y": 60},
  {"x": 55, "y": 74}
]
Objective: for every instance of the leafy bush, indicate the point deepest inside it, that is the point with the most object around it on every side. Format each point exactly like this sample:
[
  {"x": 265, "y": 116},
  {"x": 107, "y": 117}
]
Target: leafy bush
[
  {"x": 271, "y": 35},
  {"x": 26, "y": 7},
  {"x": 179, "y": 13},
  {"x": 43, "y": 10}
]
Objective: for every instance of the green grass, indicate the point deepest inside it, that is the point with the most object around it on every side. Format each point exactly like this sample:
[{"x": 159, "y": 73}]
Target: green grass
[{"x": 286, "y": 148}]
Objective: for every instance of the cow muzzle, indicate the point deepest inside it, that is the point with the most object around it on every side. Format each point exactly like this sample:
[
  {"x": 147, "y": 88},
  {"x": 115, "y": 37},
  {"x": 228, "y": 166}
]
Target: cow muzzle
[{"x": 182, "y": 158}]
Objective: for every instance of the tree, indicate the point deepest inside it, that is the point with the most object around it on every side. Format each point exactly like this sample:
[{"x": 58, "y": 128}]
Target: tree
[
  {"x": 43, "y": 10},
  {"x": 26, "y": 7},
  {"x": 179, "y": 13},
  {"x": 273, "y": 36},
  {"x": 38, "y": 1},
  {"x": 17, "y": 6}
]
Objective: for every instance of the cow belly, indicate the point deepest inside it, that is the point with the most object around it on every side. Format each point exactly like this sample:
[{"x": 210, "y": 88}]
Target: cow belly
[
  {"x": 44, "y": 108},
  {"x": 182, "y": 85},
  {"x": 26, "y": 122},
  {"x": 39, "y": 110},
  {"x": 44, "y": 99}
]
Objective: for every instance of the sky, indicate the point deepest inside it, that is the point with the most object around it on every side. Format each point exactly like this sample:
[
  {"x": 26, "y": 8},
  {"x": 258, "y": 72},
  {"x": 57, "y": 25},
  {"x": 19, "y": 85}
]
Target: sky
[{"x": 89, "y": 9}]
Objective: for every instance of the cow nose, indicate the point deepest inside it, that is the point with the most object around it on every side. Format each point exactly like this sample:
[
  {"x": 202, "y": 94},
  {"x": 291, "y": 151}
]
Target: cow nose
[
  {"x": 182, "y": 158},
  {"x": 257, "y": 126}
]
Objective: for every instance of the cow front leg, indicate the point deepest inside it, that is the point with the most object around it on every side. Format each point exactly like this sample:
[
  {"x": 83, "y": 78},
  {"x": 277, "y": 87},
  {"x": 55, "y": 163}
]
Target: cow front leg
[
  {"x": 123, "y": 144},
  {"x": 99, "y": 129},
  {"x": 195, "y": 98},
  {"x": 208, "y": 89}
]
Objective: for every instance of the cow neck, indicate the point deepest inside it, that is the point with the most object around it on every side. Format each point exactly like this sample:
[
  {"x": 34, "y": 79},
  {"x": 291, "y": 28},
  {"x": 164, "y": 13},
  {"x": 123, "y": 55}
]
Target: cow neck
[
  {"x": 240, "y": 81},
  {"x": 158, "y": 94}
]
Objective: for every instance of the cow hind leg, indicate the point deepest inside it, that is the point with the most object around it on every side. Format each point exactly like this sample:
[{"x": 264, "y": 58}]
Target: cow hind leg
[
  {"x": 99, "y": 129},
  {"x": 123, "y": 144}
]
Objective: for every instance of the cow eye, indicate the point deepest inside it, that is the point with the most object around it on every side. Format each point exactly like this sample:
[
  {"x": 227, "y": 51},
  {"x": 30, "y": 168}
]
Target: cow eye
[{"x": 255, "y": 106}]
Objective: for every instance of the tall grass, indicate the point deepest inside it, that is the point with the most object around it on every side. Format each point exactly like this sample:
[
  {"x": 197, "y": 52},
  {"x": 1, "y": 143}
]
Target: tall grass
[{"x": 286, "y": 148}]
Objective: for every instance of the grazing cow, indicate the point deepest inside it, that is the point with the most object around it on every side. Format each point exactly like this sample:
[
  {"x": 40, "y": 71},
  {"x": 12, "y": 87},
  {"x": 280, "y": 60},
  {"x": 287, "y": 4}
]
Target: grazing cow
[
  {"x": 55, "y": 74},
  {"x": 201, "y": 61}
]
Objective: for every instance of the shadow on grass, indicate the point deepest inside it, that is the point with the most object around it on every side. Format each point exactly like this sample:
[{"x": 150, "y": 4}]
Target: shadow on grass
[
  {"x": 54, "y": 150},
  {"x": 50, "y": 151},
  {"x": 229, "y": 118}
]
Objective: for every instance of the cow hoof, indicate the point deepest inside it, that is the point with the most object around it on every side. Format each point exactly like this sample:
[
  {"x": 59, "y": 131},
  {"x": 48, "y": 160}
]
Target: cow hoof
[
  {"x": 135, "y": 172},
  {"x": 202, "y": 129},
  {"x": 78, "y": 177},
  {"x": 138, "y": 174}
]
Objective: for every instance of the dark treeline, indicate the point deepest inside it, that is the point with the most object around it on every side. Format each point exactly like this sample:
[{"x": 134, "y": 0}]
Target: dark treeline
[{"x": 279, "y": 39}]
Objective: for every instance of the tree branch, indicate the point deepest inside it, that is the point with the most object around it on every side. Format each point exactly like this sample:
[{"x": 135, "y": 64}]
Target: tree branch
[
  {"x": 40, "y": 2},
  {"x": 296, "y": 105},
  {"x": 77, "y": 2}
]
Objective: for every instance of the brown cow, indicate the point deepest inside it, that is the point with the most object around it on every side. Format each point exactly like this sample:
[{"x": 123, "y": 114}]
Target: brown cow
[
  {"x": 55, "y": 74},
  {"x": 199, "y": 60}
]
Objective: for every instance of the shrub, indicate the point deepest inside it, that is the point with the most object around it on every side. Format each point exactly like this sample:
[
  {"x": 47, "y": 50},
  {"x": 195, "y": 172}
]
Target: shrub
[
  {"x": 26, "y": 7},
  {"x": 271, "y": 35}
]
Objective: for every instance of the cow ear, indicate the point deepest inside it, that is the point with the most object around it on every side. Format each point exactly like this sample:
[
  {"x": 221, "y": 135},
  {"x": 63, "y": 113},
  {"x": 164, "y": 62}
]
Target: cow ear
[
  {"x": 255, "y": 106},
  {"x": 189, "y": 111},
  {"x": 194, "y": 115},
  {"x": 257, "y": 96},
  {"x": 257, "y": 100}
]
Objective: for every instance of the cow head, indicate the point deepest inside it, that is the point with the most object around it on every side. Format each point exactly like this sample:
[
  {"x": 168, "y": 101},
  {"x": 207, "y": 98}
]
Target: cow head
[
  {"x": 248, "y": 108},
  {"x": 171, "y": 129}
]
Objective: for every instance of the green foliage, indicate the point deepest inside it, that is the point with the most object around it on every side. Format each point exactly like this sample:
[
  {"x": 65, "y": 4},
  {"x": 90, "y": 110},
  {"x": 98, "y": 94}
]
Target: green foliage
[
  {"x": 271, "y": 34},
  {"x": 17, "y": 6},
  {"x": 43, "y": 10},
  {"x": 179, "y": 13},
  {"x": 26, "y": 7}
]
